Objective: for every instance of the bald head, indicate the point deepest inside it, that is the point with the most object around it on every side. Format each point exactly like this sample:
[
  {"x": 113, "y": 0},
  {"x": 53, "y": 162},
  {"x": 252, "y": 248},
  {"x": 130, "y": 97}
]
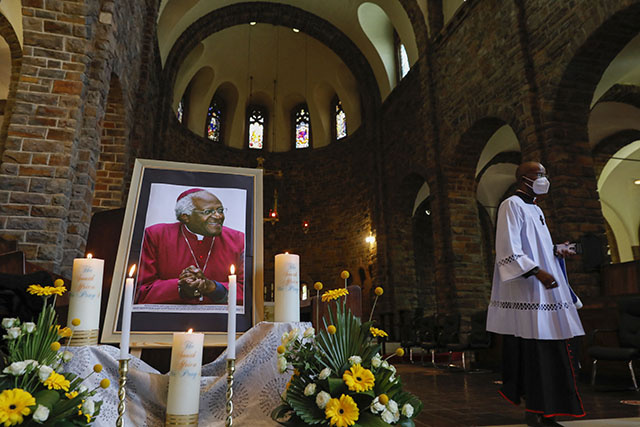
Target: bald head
[{"x": 530, "y": 169}]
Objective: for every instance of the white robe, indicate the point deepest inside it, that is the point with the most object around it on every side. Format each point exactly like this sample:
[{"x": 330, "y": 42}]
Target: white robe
[{"x": 520, "y": 306}]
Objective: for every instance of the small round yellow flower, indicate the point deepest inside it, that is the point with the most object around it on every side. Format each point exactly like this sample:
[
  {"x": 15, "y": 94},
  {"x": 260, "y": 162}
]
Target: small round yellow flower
[
  {"x": 105, "y": 383},
  {"x": 55, "y": 346},
  {"x": 58, "y": 283},
  {"x": 378, "y": 332},
  {"x": 57, "y": 382},
  {"x": 344, "y": 275},
  {"x": 14, "y": 405},
  {"x": 399, "y": 351},
  {"x": 64, "y": 332},
  {"x": 383, "y": 398},
  {"x": 358, "y": 378},
  {"x": 331, "y": 329},
  {"x": 75, "y": 322},
  {"x": 280, "y": 349},
  {"x": 342, "y": 412},
  {"x": 379, "y": 291},
  {"x": 97, "y": 368},
  {"x": 317, "y": 286}
]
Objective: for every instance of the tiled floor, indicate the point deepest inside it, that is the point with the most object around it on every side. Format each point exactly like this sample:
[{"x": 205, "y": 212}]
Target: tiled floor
[{"x": 453, "y": 398}]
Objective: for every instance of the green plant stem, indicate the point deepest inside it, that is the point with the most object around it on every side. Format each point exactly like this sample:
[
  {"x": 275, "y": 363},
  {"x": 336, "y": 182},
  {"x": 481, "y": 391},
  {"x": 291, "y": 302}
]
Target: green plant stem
[{"x": 373, "y": 308}]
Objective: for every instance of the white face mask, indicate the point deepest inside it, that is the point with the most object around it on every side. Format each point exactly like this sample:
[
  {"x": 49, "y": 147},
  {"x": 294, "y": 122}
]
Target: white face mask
[{"x": 540, "y": 185}]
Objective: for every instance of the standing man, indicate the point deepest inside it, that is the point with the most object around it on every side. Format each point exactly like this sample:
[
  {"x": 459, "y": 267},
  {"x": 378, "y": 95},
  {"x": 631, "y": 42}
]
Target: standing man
[
  {"x": 187, "y": 262},
  {"x": 533, "y": 307}
]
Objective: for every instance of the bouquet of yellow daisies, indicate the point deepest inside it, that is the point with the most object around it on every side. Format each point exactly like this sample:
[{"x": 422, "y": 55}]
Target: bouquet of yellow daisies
[
  {"x": 339, "y": 377},
  {"x": 33, "y": 388}
]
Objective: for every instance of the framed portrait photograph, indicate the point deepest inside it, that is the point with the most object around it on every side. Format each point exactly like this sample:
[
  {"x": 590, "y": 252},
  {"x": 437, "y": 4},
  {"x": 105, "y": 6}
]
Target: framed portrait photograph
[{"x": 187, "y": 229}]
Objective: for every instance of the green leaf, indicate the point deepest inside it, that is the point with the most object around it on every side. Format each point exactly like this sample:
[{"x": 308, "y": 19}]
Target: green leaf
[
  {"x": 406, "y": 422},
  {"x": 371, "y": 420},
  {"x": 336, "y": 386},
  {"x": 47, "y": 398}
]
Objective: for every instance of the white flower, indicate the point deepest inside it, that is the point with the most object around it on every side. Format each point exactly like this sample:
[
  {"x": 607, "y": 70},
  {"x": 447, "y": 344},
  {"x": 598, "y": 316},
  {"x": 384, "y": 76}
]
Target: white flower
[
  {"x": 8, "y": 322},
  {"x": 392, "y": 378},
  {"x": 324, "y": 374},
  {"x": 387, "y": 416},
  {"x": 407, "y": 410},
  {"x": 282, "y": 364},
  {"x": 392, "y": 405},
  {"x": 376, "y": 406},
  {"x": 289, "y": 336},
  {"x": 82, "y": 389},
  {"x": 310, "y": 389},
  {"x": 309, "y": 332},
  {"x": 354, "y": 360},
  {"x": 44, "y": 372},
  {"x": 392, "y": 368},
  {"x": 376, "y": 361},
  {"x": 28, "y": 327},
  {"x": 385, "y": 364},
  {"x": 322, "y": 399},
  {"x": 67, "y": 356},
  {"x": 88, "y": 407},
  {"x": 16, "y": 368},
  {"x": 13, "y": 333},
  {"x": 41, "y": 414}
]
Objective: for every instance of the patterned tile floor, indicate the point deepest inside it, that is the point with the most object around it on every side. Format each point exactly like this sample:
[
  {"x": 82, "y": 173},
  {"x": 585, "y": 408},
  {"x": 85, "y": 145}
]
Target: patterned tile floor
[{"x": 454, "y": 398}]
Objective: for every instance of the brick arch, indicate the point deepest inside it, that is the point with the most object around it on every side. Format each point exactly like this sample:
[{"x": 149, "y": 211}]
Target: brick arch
[
  {"x": 8, "y": 33},
  {"x": 606, "y": 148},
  {"x": 417, "y": 22},
  {"x": 276, "y": 14},
  {"x": 624, "y": 93}
]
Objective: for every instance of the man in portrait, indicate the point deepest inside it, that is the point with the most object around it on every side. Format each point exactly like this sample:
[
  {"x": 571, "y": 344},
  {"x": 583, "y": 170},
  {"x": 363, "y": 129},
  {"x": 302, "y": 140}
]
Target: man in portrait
[{"x": 187, "y": 262}]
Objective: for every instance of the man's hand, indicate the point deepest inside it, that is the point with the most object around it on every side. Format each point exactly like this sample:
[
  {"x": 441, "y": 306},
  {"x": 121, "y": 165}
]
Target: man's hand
[
  {"x": 565, "y": 249},
  {"x": 190, "y": 283},
  {"x": 548, "y": 281}
]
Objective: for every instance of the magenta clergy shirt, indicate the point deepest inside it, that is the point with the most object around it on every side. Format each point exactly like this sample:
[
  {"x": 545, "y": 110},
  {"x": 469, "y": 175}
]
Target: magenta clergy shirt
[{"x": 165, "y": 253}]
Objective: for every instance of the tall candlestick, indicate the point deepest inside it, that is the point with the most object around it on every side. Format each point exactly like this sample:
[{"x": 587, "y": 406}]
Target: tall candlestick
[
  {"x": 126, "y": 314},
  {"x": 84, "y": 299},
  {"x": 287, "y": 288},
  {"x": 184, "y": 378},
  {"x": 231, "y": 316}
]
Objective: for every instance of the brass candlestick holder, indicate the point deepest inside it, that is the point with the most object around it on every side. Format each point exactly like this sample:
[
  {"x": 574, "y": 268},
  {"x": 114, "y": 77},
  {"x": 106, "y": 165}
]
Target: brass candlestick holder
[
  {"x": 231, "y": 368},
  {"x": 123, "y": 369}
]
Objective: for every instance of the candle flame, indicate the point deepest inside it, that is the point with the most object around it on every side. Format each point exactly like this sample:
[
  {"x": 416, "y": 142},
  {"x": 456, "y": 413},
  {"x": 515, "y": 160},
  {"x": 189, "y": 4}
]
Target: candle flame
[
  {"x": 190, "y": 331},
  {"x": 232, "y": 269},
  {"x": 89, "y": 256},
  {"x": 132, "y": 270},
  {"x": 286, "y": 253}
]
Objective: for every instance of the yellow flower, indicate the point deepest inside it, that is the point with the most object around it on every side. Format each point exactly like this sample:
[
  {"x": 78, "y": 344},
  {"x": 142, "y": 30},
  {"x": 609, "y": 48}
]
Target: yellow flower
[
  {"x": 46, "y": 290},
  {"x": 383, "y": 398},
  {"x": 399, "y": 351},
  {"x": 55, "y": 346},
  {"x": 334, "y": 294},
  {"x": 36, "y": 290},
  {"x": 377, "y": 332},
  {"x": 14, "y": 405},
  {"x": 58, "y": 283},
  {"x": 97, "y": 368},
  {"x": 75, "y": 322},
  {"x": 331, "y": 329},
  {"x": 105, "y": 383},
  {"x": 64, "y": 332},
  {"x": 344, "y": 275},
  {"x": 317, "y": 286},
  {"x": 280, "y": 349},
  {"x": 88, "y": 418},
  {"x": 70, "y": 395},
  {"x": 57, "y": 382},
  {"x": 342, "y": 412},
  {"x": 379, "y": 291},
  {"x": 358, "y": 378}
]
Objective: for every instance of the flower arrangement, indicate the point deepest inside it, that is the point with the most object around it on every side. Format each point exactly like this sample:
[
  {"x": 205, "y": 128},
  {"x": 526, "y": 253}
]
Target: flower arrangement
[
  {"x": 339, "y": 377},
  {"x": 33, "y": 388}
]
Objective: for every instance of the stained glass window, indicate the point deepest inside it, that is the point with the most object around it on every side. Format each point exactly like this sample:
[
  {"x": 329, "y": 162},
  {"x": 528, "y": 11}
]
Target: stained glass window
[
  {"x": 214, "y": 120},
  {"x": 404, "y": 61},
  {"x": 302, "y": 123},
  {"x": 341, "y": 121},
  {"x": 180, "y": 112},
  {"x": 256, "y": 127}
]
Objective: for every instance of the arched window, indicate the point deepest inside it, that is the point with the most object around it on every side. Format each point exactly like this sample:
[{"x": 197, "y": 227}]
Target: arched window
[
  {"x": 256, "y": 120},
  {"x": 180, "y": 112},
  {"x": 339, "y": 120},
  {"x": 213, "y": 129},
  {"x": 302, "y": 126},
  {"x": 403, "y": 61}
]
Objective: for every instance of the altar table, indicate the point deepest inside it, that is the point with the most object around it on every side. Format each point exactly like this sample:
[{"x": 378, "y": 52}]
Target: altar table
[{"x": 257, "y": 382}]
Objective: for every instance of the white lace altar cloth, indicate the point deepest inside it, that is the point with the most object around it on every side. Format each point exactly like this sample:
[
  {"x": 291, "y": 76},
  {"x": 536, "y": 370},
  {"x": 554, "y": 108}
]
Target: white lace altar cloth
[{"x": 256, "y": 392}]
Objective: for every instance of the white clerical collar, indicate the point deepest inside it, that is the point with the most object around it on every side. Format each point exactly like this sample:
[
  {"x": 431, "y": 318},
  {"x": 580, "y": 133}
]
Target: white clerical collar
[{"x": 200, "y": 237}]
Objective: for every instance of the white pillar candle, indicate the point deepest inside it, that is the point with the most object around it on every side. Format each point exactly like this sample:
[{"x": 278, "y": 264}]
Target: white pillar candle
[
  {"x": 127, "y": 300},
  {"x": 287, "y": 288},
  {"x": 231, "y": 315},
  {"x": 184, "y": 378},
  {"x": 85, "y": 293}
]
